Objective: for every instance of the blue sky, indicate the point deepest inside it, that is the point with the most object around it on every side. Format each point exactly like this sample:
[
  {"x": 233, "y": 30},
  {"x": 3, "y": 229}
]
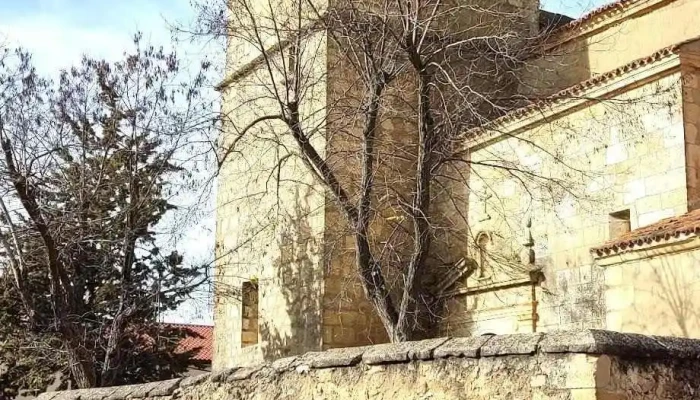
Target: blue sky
[
  {"x": 572, "y": 8},
  {"x": 59, "y": 32}
]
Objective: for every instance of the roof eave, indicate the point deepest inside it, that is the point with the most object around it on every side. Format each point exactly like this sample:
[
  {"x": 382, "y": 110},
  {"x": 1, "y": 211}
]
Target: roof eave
[
  {"x": 661, "y": 63},
  {"x": 650, "y": 247}
]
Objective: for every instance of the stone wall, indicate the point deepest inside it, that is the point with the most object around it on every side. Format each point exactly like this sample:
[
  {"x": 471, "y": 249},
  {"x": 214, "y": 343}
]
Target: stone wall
[
  {"x": 654, "y": 288},
  {"x": 270, "y": 220},
  {"x": 575, "y": 365}
]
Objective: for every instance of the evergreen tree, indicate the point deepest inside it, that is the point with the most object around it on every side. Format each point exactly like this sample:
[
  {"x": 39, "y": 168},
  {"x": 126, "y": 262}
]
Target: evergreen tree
[{"x": 88, "y": 170}]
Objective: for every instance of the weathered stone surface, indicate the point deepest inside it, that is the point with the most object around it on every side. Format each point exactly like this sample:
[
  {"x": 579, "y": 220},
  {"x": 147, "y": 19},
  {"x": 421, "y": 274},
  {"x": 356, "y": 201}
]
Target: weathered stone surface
[
  {"x": 141, "y": 391},
  {"x": 99, "y": 393},
  {"x": 69, "y": 395},
  {"x": 243, "y": 373},
  {"x": 579, "y": 365},
  {"x": 47, "y": 395},
  {"x": 593, "y": 341},
  {"x": 284, "y": 364},
  {"x": 122, "y": 392},
  {"x": 398, "y": 352},
  {"x": 461, "y": 347},
  {"x": 342, "y": 357},
  {"x": 519, "y": 343},
  {"x": 581, "y": 341},
  {"x": 165, "y": 388},
  {"x": 220, "y": 376},
  {"x": 194, "y": 380}
]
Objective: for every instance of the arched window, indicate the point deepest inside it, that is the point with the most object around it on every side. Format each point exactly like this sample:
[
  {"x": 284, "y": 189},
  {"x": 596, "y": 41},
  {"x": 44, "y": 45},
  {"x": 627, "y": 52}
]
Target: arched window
[{"x": 483, "y": 241}]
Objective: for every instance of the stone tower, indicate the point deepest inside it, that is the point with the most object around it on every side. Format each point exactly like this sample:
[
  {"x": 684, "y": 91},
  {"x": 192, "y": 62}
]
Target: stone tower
[{"x": 285, "y": 278}]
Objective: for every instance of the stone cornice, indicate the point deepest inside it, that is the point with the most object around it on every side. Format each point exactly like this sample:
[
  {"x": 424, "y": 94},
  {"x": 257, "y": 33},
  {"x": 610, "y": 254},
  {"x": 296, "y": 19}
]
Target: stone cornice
[
  {"x": 250, "y": 66},
  {"x": 660, "y": 64},
  {"x": 602, "y": 18}
]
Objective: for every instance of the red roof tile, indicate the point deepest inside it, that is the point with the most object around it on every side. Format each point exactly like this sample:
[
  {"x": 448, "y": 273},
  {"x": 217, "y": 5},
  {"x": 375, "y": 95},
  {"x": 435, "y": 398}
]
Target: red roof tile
[
  {"x": 666, "y": 229},
  {"x": 199, "y": 337}
]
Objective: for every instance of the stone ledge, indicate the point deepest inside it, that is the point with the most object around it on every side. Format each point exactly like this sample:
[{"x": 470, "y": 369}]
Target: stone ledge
[
  {"x": 588, "y": 341},
  {"x": 401, "y": 352}
]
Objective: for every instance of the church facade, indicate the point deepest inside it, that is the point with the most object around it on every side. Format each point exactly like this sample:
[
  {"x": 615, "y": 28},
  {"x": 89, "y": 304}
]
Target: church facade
[{"x": 581, "y": 208}]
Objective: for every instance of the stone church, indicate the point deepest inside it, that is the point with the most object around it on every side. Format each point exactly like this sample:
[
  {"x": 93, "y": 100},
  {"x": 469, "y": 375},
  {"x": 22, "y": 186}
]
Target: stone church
[{"x": 610, "y": 242}]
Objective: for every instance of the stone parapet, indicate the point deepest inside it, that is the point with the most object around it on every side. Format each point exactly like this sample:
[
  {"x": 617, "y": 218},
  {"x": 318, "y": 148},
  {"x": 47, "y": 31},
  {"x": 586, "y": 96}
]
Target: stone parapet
[{"x": 583, "y": 364}]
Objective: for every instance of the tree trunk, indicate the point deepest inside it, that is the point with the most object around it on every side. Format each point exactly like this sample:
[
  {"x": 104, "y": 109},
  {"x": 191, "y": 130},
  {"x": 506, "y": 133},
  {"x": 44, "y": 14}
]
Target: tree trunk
[
  {"x": 80, "y": 363},
  {"x": 377, "y": 293},
  {"x": 421, "y": 199}
]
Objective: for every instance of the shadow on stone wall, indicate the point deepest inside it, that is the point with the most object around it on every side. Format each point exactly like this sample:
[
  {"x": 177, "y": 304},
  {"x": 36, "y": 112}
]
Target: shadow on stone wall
[
  {"x": 293, "y": 326},
  {"x": 662, "y": 293}
]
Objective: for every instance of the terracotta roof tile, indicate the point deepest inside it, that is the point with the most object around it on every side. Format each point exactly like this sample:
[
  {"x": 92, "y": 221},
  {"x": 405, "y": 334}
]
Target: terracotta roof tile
[
  {"x": 664, "y": 230},
  {"x": 199, "y": 337}
]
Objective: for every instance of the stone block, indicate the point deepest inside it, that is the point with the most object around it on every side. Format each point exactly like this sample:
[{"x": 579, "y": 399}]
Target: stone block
[
  {"x": 122, "y": 392},
  {"x": 331, "y": 317},
  {"x": 634, "y": 190},
  {"x": 352, "y": 318},
  {"x": 676, "y": 197},
  {"x": 654, "y": 216},
  {"x": 538, "y": 380},
  {"x": 674, "y": 135},
  {"x": 141, "y": 391},
  {"x": 584, "y": 394},
  {"x": 594, "y": 341},
  {"x": 469, "y": 347},
  {"x": 194, "y": 380},
  {"x": 341, "y": 357},
  {"x": 220, "y": 376},
  {"x": 243, "y": 373},
  {"x": 399, "y": 352},
  {"x": 616, "y": 153},
  {"x": 283, "y": 364},
  {"x": 249, "y": 337},
  {"x": 580, "y": 371},
  {"x": 165, "y": 388},
  {"x": 520, "y": 343},
  {"x": 648, "y": 204}
]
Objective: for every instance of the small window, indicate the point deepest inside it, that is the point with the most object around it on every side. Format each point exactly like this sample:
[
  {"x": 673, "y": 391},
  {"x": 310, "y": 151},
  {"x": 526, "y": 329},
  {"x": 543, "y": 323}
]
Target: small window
[
  {"x": 619, "y": 223},
  {"x": 249, "y": 305}
]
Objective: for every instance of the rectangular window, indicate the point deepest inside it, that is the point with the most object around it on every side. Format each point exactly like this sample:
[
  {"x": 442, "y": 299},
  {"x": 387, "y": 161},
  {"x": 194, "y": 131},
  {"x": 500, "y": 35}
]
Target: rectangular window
[
  {"x": 249, "y": 308},
  {"x": 619, "y": 223}
]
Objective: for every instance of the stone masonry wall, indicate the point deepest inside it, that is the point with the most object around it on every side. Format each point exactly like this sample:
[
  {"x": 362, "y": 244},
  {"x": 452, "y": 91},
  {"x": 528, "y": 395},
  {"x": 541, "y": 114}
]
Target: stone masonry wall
[
  {"x": 270, "y": 221},
  {"x": 575, "y": 365},
  {"x": 568, "y": 175}
]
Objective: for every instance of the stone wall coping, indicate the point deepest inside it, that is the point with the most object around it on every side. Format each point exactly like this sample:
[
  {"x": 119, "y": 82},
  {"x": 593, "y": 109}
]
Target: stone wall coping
[{"x": 586, "y": 341}]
